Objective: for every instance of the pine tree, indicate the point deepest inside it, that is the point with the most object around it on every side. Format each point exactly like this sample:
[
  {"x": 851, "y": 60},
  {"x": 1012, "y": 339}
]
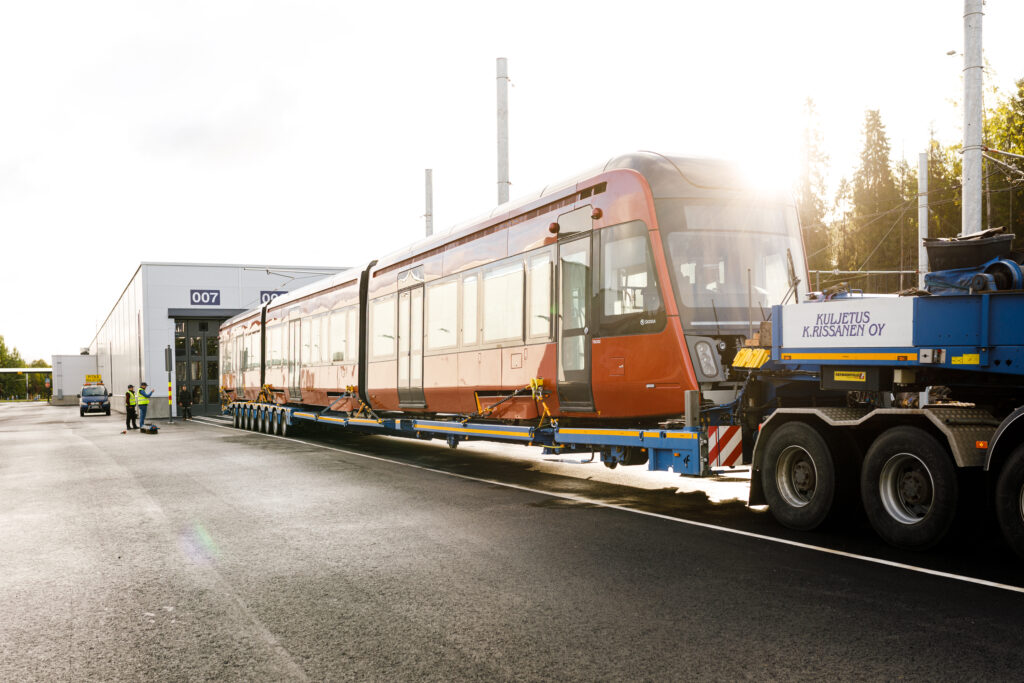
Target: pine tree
[
  {"x": 944, "y": 194},
  {"x": 810, "y": 192},
  {"x": 1004, "y": 189},
  {"x": 841, "y": 238},
  {"x": 876, "y": 200}
]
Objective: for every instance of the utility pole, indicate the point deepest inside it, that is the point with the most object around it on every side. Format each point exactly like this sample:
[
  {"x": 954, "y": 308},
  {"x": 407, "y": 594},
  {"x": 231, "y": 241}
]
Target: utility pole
[
  {"x": 430, "y": 201},
  {"x": 922, "y": 217},
  {"x": 503, "y": 182},
  {"x": 971, "y": 214}
]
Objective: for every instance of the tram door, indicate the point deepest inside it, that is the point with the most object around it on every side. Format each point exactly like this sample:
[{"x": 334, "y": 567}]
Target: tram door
[
  {"x": 410, "y": 347},
  {"x": 574, "y": 322},
  {"x": 294, "y": 361}
]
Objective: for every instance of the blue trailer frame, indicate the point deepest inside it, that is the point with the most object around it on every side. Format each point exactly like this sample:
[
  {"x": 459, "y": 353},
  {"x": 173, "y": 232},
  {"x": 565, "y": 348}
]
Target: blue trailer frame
[{"x": 680, "y": 450}]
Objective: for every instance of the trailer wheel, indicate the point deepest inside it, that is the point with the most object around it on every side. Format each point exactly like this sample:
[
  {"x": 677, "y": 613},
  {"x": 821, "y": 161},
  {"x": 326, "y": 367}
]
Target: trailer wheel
[
  {"x": 264, "y": 420},
  {"x": 1010, "y": 500},
  {"x": 249, "y": 418},
  {"x": 909, "y": 488},
  {"x": 799, "y": 477},
  {"x": 282, "y": 427},
  {"x": 237, "y": 416}
]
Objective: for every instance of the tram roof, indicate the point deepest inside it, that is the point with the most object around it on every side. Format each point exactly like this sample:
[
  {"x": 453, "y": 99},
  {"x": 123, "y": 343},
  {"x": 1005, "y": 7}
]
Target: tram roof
[{"x": 667, "y": 176}]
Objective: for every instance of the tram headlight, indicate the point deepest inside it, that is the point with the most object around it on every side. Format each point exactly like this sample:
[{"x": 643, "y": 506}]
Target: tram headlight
[{"x": 706, "y": 358}]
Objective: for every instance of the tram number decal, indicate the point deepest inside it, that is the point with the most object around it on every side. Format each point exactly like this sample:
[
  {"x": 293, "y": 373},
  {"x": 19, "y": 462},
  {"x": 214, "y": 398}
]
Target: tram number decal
[
  {"x": 205, "y": 297},
  {"x": 266, "y": 296}
]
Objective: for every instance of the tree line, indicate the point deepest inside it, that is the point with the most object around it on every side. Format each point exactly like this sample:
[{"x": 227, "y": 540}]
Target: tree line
[
  {"x": 13, "y": 385},
  {"x": 871, "y": 221}
]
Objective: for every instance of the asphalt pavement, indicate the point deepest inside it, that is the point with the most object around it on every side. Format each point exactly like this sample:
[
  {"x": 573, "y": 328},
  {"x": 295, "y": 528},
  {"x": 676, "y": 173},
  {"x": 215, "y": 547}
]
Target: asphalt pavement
[{"x": 207, "y": 553}]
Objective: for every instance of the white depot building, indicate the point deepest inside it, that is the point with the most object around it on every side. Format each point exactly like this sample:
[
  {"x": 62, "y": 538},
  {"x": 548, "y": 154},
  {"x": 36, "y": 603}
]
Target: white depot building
[{"x": 181, "y": 306}]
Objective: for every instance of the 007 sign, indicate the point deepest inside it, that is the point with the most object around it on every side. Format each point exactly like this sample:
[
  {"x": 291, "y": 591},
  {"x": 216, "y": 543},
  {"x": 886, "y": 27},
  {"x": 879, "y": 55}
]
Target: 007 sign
[{"x": 204, "y": 297}]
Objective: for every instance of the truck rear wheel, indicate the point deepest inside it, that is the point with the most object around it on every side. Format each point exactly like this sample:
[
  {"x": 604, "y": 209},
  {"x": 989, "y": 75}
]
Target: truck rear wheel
[
  {"x": 799, "y": 477},
  {"x": 1010, "y": 500},
  {"x": 909, "y": 488}
]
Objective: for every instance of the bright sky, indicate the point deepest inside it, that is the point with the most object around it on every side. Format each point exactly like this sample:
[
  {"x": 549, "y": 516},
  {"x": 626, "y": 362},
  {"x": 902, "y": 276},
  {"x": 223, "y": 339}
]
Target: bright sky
[{"x": 297, "y": 133}]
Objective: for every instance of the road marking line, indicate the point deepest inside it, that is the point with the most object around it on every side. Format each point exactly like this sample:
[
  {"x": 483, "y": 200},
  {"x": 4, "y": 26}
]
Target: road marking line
[{"x": 690, "y": 522}]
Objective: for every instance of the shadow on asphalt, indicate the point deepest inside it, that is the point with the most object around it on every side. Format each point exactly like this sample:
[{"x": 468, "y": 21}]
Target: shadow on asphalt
[{"x": 975, "y": 549}]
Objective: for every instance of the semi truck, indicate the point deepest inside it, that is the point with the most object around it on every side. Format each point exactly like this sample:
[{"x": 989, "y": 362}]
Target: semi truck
[{"x": 912, "y": 406}]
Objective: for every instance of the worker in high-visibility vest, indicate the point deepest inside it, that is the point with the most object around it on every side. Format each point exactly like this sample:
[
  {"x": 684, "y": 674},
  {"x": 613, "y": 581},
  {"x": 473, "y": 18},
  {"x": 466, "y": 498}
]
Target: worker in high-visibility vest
[
  {"x": 143, "y": 400},
  {"x": 129, "y": 408}
]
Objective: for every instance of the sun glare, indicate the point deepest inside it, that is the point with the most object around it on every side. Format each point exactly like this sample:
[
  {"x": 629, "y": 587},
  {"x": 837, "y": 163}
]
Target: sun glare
[{"x": 770, "y": 171}]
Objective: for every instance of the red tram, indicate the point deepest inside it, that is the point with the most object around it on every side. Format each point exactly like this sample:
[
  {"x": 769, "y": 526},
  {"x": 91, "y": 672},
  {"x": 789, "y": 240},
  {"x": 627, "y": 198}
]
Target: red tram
[{"x": 620, "y": 289}]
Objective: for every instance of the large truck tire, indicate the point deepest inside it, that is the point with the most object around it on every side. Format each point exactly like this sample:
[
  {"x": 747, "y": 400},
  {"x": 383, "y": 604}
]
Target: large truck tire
[
  {"x": 909, "y": 488},
  {"x": 1009, "y": 501},
  {"x": 800, "y": 477}
]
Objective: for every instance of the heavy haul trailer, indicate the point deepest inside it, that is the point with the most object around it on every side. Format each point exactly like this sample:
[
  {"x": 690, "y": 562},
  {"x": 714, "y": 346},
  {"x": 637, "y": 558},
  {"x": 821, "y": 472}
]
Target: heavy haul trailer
[
  {"x": 678, "y": 448},
  {"x": 910, "y": 400}
]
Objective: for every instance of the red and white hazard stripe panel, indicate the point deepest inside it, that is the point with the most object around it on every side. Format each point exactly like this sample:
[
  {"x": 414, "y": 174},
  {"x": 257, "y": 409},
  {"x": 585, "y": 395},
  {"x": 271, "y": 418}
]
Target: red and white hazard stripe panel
[{"x": 725, "y": 446}]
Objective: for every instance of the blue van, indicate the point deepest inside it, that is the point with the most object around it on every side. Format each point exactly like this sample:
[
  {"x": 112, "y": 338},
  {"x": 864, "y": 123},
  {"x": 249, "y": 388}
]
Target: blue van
[{"x": 93, "y": 399}]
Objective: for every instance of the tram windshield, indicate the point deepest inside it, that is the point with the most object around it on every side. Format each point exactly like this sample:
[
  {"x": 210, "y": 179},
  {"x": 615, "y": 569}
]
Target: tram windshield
[{"x": 729, "y": 257}]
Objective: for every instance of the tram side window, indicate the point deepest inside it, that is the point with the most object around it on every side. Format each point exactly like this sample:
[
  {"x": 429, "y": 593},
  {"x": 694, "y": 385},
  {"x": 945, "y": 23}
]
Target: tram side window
[
  {"x": 339, "y": 330},
  {"x": 503, "y": 302},
  {"x": 246, "y": 351},
  {"x": 316, "y": 340},
  {"x": 382, "y": 328},
  {"x": 257, "y": 349},
  {"x": 442, "y": 315},
  {"x": 352, "y": 341},
  {"x": 225, "y": 359},
  {"x": 540, "y": 297},
  {"x": 629, "y": 301},
  {"x": 273, "y": 346},
  {"x": 306, "y": 352},
  {"x": 470, "y": 328}
]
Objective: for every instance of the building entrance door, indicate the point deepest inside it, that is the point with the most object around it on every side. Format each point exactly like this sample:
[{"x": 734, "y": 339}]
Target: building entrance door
[{"x": 197, "y": 363}]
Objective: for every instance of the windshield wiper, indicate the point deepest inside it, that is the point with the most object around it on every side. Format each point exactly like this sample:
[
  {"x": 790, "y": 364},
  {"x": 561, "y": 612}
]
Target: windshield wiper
[{"x": 794, "y": 281}]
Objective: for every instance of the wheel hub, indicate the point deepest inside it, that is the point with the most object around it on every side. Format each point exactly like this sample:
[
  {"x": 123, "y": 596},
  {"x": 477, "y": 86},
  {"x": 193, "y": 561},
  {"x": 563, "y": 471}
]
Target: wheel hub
[
  {"x": 796, "y": 476},
  {"x": 803, "y": 477},
  {"x": 1020, "y": 507},
  {"x": 906, "y": 488},
  {"x": 914, "y": 488}
]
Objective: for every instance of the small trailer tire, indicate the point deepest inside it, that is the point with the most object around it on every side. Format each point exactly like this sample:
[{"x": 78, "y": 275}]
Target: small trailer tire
[
  {"x": 909, "y": 488},
  {"x": 1010, "y": 500},
  {"x": 799, "y": 476}
]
